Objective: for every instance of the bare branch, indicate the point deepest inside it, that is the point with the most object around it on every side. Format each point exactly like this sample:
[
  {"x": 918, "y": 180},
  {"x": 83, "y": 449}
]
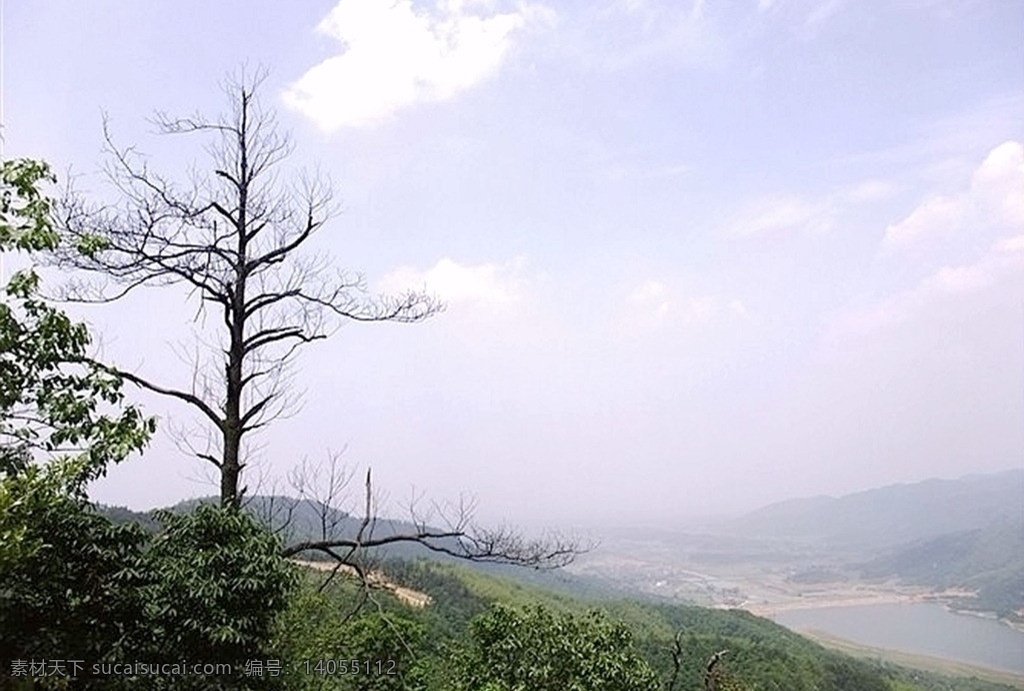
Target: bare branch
[
  {"x": 461, "y": 538},
  {"x": 712, "y": 673},
  {"x": 234, "y": 236},
  {"x": 189, "y": 398},
  {"x": 677, "y": 661}
]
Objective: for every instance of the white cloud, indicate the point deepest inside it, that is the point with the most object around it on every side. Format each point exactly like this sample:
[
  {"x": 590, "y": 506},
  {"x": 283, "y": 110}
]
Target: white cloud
[
  {"x": 642, "y": 32},
  {"x": 395, "y": 56},
  {"x": 780, "y": 214},
  {"x": 785, "y": 214},
  {"x": 943, "y": 150},
  {"x": 959, "y": 279},
  {"x": 873, "y": 190},
  {"x": 998, "y": 184},
  {"x": 1000, "y": 268},
  {"x": 993, "y": 203},
  {"x": 655, "y": 300},
  {"x": 823, "y": 12},
  {"x": 452, "y": 282},
  {"x": 1011, "y": 245},
  {"x": 652, "y": 295},
  {"x": 938, "y": 215},
  {"x": 990, "y": 212},
  {"x": 739, "y": 309}
]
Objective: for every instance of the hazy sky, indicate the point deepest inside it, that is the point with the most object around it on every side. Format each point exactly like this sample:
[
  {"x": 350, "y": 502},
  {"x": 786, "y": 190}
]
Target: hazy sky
[{"x": 698, "y": 256}]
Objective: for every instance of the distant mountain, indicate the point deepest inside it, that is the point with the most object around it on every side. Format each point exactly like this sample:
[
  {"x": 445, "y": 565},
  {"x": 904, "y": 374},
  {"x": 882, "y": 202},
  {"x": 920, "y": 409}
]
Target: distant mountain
[
  {"x": 966, "y": 533},
  {"x": 891, "y": 515},
  {"x": 987, "y": 560},
  {"x": 121, "y": 514},
  {"x": 299, "y": 520}
]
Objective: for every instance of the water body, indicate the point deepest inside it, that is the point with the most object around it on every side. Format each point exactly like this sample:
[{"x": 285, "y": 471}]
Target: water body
[{"x": 922, "y": 628}]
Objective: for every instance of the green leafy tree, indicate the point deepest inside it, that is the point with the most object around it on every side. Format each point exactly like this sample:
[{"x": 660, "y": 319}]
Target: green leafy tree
[
  {"x": 535, "y": 649},
  {"x": 217, "y": 583},
  {"x": 389, "y": 646},
  {"x": 75, "y": 595},
  {"x": 54, "y": 401},
  {"x": 63, "y": 422}
]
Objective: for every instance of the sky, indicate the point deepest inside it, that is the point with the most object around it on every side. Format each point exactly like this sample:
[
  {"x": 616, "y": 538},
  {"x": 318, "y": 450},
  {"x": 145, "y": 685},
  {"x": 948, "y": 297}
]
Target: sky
[{"x": 697, "y": 256}]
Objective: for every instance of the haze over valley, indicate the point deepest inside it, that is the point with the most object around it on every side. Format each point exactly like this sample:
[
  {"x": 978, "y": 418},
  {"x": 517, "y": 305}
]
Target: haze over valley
[{"x": 958, "y": 542}]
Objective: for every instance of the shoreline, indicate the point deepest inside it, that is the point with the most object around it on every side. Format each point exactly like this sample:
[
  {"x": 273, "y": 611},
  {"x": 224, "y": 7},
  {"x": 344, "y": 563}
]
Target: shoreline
[
  {"x": 944, "y": 598},
  {"x": 770, "y": 609},
  {"x": 921, "y": 661},
  {"x": 991, "y": 616}
]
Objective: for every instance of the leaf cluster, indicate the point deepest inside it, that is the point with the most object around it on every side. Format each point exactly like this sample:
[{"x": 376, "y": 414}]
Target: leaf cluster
[
  {"x": 207, "y": 589},
  {"x": 55, "y": 402},
  {"x": 540, "y": 650}
]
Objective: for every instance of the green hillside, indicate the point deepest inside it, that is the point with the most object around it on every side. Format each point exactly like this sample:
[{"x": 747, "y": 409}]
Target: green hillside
[
  {"x": 762, "y": 655},
  {"x": 655, "y": 640}
]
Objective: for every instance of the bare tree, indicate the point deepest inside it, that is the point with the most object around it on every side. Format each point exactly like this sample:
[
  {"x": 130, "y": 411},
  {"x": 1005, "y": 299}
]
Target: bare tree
[
  {"x": 716, "y": 678},
  {"x": 677, "y": 661},
  {"x": 350, "y": 538},
  {"x": 235, "y": 236}
]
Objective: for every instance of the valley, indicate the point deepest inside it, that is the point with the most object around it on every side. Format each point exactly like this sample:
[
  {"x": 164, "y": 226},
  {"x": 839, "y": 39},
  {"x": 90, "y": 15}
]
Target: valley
[
  {"x": 831, "y": 569},
  {"x": 762, "y": 583}
]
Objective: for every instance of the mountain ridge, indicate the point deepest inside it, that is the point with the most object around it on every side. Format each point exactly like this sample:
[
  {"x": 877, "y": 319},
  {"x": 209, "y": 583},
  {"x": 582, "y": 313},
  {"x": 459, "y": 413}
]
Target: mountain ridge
[{"x": 890, "y": 515}]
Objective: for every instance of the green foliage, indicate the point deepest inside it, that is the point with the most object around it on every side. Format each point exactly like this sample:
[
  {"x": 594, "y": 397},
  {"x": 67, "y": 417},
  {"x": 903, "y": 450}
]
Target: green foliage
[
  {"x": 68, "y": 579},
  {"x": 535, "y": 649},
  {"x": 763, "y": 655},
  {"x": 76, "y": 594},
  {"x": 74, "y": 586},
  {"x": 455, "y": 602},
  {"x": 207, "y": 590},
  {"x": 25, "y": 211},
  {"x": 216, "y": 584},
  {"x": 906, "y": 679},
  {"x": 54, "y": 401},
  {"x": 367, "y": 650}
]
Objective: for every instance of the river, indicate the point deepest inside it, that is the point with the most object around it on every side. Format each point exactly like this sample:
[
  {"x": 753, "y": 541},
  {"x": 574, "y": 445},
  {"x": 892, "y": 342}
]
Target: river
[{"x": 923, "y": 628}]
